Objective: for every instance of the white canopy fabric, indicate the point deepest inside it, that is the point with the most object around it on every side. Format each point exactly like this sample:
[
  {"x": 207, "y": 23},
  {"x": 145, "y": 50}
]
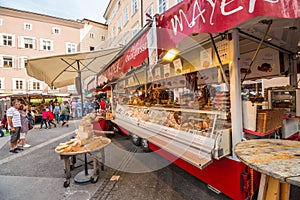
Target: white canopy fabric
[{"x": 62, "y": 70}]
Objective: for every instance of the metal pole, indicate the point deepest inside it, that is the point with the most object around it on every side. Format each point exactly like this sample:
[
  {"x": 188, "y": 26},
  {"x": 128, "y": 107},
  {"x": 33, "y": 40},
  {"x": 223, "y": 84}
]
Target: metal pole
[
  {"x": 235, "y": 92},
  {"x": 80, "y": 85}
]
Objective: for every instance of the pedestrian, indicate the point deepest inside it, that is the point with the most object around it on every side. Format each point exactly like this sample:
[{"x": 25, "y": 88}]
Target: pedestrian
[
  {"x": 65, "y": 113},
  {"x": 24, "y": 128},
  {"x": 50, "y": 118},
  {"x": 14, "y": 124},
  {"x": 5, "y": 122},
  {"x": 51, "y": 105},
  {"x": 30, "y": 118},
  {"x": 74, "y": 106},
  {"x": 102, "y": 104},
  {"x": 79, "y": 108},
  {"x": 95, "y": 105},
  {"x": 86, "y": 107},
  {"x": 56, "y": 112},
  {"x": 44, "y": 119}
]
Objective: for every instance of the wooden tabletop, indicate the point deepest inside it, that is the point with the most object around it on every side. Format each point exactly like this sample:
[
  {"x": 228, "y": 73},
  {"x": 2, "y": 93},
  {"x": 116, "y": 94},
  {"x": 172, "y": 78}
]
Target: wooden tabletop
[
  {"x": 96, "y": 144},
  {"x": 279, "y": 159}
]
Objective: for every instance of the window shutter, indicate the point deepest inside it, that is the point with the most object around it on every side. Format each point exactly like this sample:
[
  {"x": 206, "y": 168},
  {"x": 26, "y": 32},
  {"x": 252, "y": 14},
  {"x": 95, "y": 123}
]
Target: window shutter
[
  {"x": 51, "y": 43},
  {"x": 34, "y": 43},
  {"x": 13, "y": 40},
  {"x": 41, "y": 44},
  {"x": 14, "y": 65},
  {"x": 20, "y": 42},
  {"x": 30, "y": 85},
  {"x": 1, "y": 61},
  {"x": 1, "y": 39}
]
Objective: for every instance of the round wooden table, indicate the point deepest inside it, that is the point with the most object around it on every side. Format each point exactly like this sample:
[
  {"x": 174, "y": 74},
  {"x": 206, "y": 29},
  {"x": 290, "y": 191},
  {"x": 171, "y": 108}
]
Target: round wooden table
[
  {"x": 277, "y": 160},
  {"x": 94, "y": 147}
]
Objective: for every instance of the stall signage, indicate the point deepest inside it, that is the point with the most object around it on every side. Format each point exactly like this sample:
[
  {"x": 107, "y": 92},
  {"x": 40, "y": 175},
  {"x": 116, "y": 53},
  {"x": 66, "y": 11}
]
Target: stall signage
[
  {"x": 133, "y": 57},
  {"x": 212, "y": 16},
  {"x": 91, "y": 85}
]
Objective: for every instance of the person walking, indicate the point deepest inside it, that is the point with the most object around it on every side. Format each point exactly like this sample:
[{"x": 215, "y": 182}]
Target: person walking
[
  {"x": 24, "y": 128},
  {"x": 14, "y": 124},
  {"x": 44, "y": 118},
  {"x": 5, "y": 122},
  {"x": 102, "y": 104},
  {"x": 86, "y": 107},
  {"x": 65, "y": 113},
  {"x": 56, "y": 112},
  {"x": 74, "y": 106},
  {"x": 79, "y": 108},
  {"x": 50, "y": 118}
]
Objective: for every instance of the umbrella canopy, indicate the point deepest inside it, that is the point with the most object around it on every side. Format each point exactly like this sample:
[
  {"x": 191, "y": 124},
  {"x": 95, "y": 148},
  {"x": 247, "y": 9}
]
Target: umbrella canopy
[{"x": 62, "y": 70}]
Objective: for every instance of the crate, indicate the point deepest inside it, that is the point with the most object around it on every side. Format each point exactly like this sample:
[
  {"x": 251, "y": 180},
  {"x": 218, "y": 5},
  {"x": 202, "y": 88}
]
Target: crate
[{"x": 269, "y": 120}]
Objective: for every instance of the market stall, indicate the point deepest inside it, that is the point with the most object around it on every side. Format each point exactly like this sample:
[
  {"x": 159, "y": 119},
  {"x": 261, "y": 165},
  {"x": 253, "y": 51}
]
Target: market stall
[{"x": 182, "y": 98}]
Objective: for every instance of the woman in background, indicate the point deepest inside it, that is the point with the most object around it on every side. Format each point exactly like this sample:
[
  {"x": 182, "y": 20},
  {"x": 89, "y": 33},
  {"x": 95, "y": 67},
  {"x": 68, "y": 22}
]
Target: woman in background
[
  {"x": 44, "y": 118},
  {"x": 24, "y": 128}
]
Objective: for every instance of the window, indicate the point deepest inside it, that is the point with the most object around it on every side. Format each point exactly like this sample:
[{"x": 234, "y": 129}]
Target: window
[
  {"x": 26, "y": 42},
  {"x": 119, "y": 24},
  {"x": 22, "y": 62},
  {"x": 7, "y": 40},
  {"x": 102, "y": 37},
  {"x": 162, "y": 6},
  {"x": 27, "y": 26},
  {"x": 91, "y": 35},
  {"x": 55, "y": 30},
  {"x": 126, "y": 16},
  {"x": 71, "y": 47},
  {"x": 150, "y": 10},
  {"x": 1, "y": 22},
  {"x": 18, "y": 84},
  {"x": 134, "y": 7},
  {"x": 34, "y": 85},
  {"x": 7, "y": 61},
  {"x": 46, "y": 45},
  {"x": 2, "y": 86},
  {"x": 92, "y": 48},
  {"x": 135, "y": 29}
]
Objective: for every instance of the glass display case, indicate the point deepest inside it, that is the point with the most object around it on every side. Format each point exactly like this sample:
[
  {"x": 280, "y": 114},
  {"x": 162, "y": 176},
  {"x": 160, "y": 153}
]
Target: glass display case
[{"x": 179, "y": 112}]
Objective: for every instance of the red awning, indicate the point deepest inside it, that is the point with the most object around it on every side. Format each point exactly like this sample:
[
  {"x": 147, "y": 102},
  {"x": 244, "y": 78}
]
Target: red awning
[{"x": 215, "y": 16}]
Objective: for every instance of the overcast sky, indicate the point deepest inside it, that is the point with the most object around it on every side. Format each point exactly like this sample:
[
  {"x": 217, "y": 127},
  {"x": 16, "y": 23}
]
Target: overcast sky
[{"x": 67, "y": 9}]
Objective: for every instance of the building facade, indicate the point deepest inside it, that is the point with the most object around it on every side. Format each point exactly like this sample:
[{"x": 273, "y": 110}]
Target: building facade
[
  {"x": 125, "y": 18},
  {"x": 25, "y": 35}
]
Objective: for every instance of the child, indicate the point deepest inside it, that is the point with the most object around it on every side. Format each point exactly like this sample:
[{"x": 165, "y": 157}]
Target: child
[
  {"x": 50, "y": 118},
  {"x": 44, "y": 118}
]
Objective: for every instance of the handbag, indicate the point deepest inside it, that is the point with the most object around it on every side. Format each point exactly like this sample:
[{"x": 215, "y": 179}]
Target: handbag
[{"x": 29, "y": 125}]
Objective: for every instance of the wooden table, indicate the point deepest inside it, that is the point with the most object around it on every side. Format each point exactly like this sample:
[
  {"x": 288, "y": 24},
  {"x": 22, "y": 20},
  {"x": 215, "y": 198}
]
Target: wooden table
[
  {"x": 94, "y": 147},
  {"x": 277, "y": 160}
]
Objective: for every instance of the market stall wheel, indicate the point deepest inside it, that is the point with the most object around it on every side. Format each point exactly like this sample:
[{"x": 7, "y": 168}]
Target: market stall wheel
[
  {"x": 136, "y": 140},
  {"x": 145, "y": 145},
  {"x": 67, "y": 183}
]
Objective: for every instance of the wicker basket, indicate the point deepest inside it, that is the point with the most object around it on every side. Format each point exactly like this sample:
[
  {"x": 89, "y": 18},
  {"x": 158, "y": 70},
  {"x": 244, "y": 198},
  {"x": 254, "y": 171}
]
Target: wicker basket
[{"x": 269, "y": 120}]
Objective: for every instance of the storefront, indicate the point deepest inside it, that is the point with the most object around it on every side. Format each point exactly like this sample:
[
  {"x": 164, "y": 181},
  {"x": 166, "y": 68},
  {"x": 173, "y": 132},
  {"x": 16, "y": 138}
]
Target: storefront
[{"x": 182, "y": 97}]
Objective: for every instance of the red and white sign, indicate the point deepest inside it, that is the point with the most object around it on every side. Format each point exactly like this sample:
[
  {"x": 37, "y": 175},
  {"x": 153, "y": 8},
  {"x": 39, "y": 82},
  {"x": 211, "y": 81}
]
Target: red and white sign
[
  {"x": 133, "y": 57},
  {"x": 213, "y": 16}
]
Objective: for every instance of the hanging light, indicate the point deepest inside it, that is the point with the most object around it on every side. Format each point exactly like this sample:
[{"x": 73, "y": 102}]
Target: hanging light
[{"x": 170, "y": 55}]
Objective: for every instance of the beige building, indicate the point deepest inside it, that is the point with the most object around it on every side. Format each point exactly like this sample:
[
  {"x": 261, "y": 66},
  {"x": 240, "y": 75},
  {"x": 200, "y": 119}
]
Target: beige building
[
  {"x": 125, "y": 18},
  {"x": 25, "y": 35}
]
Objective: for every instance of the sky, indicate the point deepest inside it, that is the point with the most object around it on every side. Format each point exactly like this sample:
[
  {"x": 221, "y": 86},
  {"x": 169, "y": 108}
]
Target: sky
[{"x": 67, "y": 9}]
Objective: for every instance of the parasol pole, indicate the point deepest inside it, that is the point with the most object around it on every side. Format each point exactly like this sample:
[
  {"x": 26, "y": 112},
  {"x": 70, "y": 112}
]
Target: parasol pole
[{"x": 80, "y": 84}]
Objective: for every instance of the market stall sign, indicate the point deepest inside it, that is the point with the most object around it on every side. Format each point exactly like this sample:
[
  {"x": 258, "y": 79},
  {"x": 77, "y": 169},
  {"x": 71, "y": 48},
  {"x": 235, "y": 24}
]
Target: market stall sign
[
  {"x": 133, "y": 57},
  {"x": 213, "y": 16}
]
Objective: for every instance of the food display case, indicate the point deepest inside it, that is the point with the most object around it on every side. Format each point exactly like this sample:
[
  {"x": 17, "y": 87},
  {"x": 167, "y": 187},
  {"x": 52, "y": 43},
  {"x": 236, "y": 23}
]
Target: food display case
[{"x": 177, "y": 111}]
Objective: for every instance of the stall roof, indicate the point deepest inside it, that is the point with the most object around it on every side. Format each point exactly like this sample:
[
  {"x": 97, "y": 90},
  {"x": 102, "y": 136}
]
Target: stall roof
[{"x": 62, "y": 70}]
